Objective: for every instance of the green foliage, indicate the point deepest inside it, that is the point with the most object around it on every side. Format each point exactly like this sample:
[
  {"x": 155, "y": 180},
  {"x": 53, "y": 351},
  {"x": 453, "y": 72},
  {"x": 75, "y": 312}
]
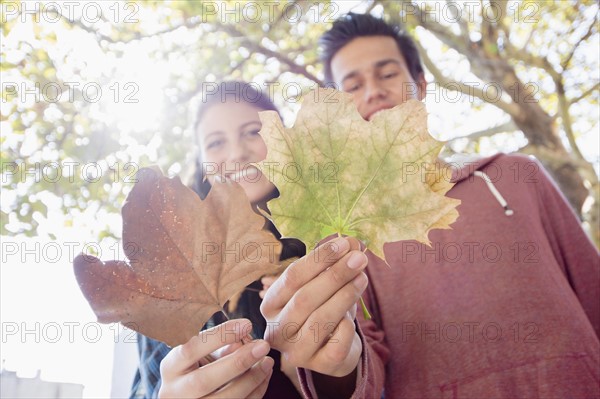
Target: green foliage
[{"x": 179, "y": 46}]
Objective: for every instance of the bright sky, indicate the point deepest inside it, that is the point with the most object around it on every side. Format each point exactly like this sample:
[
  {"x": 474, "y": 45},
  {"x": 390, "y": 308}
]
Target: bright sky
[{"x": 46, "y": 322}]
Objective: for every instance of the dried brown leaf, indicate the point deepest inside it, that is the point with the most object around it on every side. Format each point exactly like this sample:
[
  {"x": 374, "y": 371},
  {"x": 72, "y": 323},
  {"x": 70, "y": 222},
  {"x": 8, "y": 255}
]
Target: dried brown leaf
[{"x": 187, "y": 257}]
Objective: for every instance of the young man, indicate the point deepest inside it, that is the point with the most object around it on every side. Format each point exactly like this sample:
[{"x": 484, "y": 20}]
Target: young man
[{"x": 504, "y": 305}]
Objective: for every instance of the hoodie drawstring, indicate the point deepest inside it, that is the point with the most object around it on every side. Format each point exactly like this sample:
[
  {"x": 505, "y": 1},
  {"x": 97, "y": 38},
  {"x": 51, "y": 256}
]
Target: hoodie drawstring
[{"x": 495, "y": 192}]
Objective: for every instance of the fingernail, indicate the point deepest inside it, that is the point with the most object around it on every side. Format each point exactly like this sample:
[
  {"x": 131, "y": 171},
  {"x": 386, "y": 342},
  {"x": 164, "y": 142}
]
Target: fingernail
[
  {"x": 360, "y": 281},
  {"x": 260, "y": 349},
  {"x": 340, "y": 245},
  {"x": 267, "y": 364},
  {"x": 357, "y": 260}
]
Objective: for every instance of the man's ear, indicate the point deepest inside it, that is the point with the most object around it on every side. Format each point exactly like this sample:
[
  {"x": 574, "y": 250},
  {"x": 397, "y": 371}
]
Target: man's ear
[{"x": 422, "y": 86}]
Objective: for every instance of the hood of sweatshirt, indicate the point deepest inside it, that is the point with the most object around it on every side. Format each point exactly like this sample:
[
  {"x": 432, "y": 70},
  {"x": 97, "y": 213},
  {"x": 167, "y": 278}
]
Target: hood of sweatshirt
[{"x": 463, "y": 166}]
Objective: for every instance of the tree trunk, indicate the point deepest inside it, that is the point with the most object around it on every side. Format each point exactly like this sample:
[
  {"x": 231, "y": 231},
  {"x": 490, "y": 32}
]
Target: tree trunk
[{"x": 540, "y": 130}]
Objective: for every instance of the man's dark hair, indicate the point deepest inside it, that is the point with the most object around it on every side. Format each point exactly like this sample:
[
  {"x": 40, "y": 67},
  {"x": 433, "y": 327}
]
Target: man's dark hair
[{"x": 352, "y": 26}]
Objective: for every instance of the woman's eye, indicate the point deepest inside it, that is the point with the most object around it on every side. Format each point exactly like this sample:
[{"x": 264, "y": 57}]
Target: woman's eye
[
  {"x": 214, "y": 144},
  {"x": 390, "y": 75},
  {"x": 253, "y": 132}
]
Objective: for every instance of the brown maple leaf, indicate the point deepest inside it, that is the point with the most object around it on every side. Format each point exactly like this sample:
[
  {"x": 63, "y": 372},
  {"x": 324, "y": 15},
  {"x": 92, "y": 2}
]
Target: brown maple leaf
[{"x": 187, "y": 257}]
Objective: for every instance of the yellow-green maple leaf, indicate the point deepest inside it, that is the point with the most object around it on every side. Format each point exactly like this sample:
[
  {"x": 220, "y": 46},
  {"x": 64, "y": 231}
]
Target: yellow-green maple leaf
[{"x": 337, "y": 173}]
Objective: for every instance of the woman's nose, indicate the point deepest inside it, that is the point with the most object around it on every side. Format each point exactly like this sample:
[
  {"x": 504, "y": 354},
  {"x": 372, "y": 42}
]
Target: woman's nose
[{"x": 239, "y": 153}]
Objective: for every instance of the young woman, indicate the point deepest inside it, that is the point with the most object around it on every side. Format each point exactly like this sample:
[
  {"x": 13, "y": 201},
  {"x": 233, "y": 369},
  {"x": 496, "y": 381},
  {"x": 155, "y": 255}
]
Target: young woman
[{"x": 226, "y": 128}]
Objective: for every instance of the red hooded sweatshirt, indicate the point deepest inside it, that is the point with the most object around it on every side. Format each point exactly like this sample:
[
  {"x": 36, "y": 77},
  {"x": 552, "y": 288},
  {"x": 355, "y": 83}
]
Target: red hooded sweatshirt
[{"x": 506, "y": 304}]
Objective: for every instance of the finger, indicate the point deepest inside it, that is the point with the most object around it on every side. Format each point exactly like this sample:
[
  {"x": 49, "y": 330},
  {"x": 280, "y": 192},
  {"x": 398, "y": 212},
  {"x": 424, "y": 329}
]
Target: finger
[
  {"x": 328, "y": 318},
  {"x": 211, "y": 377},
  {"x": 301, "y": 272},
  {"x": 252, "y": 384},
  {"x": 355, "y": 245},
  {"x": 352, "y": 312},
  {"x": 261, "y": 389},
  {"x": 186, "y": 356},
  {"x": 268, "y": 280},
  {"x": 226, "y": 350},
  {"x": 340, "y": 354},
  {"x": 324, "y": 287}
]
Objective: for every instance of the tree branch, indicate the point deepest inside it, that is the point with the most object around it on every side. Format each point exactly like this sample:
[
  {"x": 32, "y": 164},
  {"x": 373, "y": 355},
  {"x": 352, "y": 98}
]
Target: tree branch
[
  {"x": 533, "y": 60},
  {"x": 502, "y": 4},
  {"x": 489, "y": 33},
  {"x": 460, "y": 43},
  {"x": 558, "y": 160},
  {"x": 371, "y": 6},
  {"x": 483, "y": 57},
  {"x": 281, "y": 16},
  {"x": 232, "y": 31},
  {"x": 565, "y": 63},
  {"x": 510, "y": 108},
  {"x": 136, "y": 35},
  {"x": 563, "y": 109},
  {"x": 259, "y": 48},
  {"x": 509, "y": 126},
  {"x": 585, "y": 94},
  {"x": 529, "y": 37},
  {"x": 462, "y": 22}
]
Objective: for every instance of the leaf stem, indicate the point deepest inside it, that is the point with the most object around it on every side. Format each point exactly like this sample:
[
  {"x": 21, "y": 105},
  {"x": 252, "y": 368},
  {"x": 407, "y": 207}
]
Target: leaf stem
[
  {"x": 225, "y": 314},
  {"x": 244, "y": 340},
  {"x": 365, "y": 311}
]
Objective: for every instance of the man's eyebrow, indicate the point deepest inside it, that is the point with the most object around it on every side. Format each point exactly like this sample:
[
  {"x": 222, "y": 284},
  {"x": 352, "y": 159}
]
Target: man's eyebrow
[
  {"x": 378, "y": 65},
  {"x": 351, "y": 75},
  {"x": 382, "y": 63}
]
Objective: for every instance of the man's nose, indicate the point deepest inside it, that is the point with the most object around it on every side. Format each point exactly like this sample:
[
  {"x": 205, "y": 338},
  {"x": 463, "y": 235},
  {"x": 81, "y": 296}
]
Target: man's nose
[{"x": 374, "y": 90}]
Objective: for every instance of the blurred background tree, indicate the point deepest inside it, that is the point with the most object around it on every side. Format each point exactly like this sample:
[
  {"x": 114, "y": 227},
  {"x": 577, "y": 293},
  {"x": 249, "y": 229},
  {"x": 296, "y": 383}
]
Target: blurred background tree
[{"x": 93, "y": 91}]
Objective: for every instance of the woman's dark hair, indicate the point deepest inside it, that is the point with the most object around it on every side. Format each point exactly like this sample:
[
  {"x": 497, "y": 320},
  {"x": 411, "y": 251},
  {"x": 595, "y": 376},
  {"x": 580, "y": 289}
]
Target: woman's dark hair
[
  {"x": 248, "y": 304},
  {"x": 352, "y": 26}
]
